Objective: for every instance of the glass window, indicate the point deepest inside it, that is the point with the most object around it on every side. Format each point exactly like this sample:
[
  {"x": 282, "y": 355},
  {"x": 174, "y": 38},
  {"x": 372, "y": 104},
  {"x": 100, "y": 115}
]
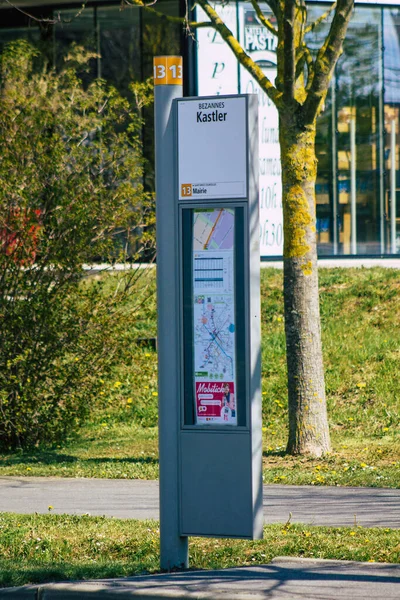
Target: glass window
[
  {"x": 349, "y": 190},
  {"x": 159, "y": 36},
  {"x": 391, "y": 32},
  {"x": 358, "y": 80},
  {"x": 79, "y": 29},
  {"x": 17, "y": 25},
  {"x": 324, "y": 189},
  {"x": 118, "y": 34}
]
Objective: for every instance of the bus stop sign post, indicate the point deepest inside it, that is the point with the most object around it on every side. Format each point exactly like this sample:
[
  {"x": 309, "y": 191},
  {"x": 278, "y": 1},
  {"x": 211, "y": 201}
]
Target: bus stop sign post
[
  {"x": 208, "y": 315},
  {"x": 173, "y": 546}
]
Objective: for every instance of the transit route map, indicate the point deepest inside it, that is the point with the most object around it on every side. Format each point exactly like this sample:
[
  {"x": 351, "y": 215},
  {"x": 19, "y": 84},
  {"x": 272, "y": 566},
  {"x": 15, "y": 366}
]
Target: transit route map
[{"x": 214, "y": 315}]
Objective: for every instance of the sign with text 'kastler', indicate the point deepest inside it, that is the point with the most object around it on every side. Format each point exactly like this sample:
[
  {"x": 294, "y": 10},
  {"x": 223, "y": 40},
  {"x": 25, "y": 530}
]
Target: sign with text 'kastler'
[{"x": 212, "y": 134}]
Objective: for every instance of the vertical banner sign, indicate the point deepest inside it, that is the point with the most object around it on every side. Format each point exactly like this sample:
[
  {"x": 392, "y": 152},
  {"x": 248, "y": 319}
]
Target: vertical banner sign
[
  {"x": 218, "y": 73},
  {"x": 214, "y": 316},
  {"x": 260, "y": 45}
]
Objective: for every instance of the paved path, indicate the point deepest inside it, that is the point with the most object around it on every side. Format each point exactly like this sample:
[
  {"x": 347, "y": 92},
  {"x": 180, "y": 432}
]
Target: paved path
[
  {"x": 344, "y": 262},
  {"x": 282, "y": 579},
  {"x": 338, "y": 261},
  {"x": 120, "y": 498}
]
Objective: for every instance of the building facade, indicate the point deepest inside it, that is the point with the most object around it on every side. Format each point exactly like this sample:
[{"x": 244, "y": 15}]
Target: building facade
[{"x": 358, "y": 139}]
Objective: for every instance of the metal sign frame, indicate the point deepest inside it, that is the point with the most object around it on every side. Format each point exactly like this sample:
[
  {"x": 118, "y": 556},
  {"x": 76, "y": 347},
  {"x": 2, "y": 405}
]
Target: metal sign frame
[{"x": 220, "y": 465}]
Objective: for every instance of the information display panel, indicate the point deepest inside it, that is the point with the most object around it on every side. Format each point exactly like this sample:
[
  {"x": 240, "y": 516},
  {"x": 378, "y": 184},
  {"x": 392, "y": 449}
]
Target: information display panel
[
  {"x": 214, "y": 361},
  {"x": 214, "y": 316}
]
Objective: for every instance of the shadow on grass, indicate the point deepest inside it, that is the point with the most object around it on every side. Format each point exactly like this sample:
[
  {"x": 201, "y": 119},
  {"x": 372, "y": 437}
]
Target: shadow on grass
[
  {"x": 147, "y": 460},
  {"x": 13, "y": 575},
  {"x": 55, "y": 458},
  {"x": 280, "y": 453},
  {"x": 44, "y": 458}
]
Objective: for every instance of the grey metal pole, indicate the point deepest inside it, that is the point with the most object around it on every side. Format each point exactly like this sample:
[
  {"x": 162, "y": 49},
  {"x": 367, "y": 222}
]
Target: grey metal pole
[
  {"x": 168, "y": 86},
  {"x": 334, "y": 168},
  {"x": 393, "y": 187},
  {"x": 381, "y": 126},
  {"x": 353, "y": 185}
]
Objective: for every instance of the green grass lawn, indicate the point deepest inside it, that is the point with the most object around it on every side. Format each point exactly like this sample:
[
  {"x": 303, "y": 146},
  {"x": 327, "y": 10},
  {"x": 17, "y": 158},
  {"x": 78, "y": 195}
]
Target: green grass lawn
[
  {"x": 42, "y": 548},
  {"x": 360, "y": 312}
]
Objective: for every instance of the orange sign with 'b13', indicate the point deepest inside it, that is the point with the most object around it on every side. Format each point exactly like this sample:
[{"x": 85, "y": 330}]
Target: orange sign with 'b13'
[{"x": 167, "y": 70}]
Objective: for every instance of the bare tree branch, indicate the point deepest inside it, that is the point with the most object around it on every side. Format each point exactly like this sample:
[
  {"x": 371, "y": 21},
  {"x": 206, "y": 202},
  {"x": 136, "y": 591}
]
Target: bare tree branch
[
  {"x": 51, "y": 21},
  {"x": 320, "y": 19},
  {"x": 305, "y": 58},
  {"x": 138, "y": 3},
  {"x": 263, "y": 19},
  {"x": 170, "y": 18},
  {"x": 273, "y": 5},
  {"x": 201, "y": 24}
]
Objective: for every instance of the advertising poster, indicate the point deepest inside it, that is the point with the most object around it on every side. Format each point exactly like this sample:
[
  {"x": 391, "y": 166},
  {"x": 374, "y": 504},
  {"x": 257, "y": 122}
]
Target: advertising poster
[
  {"x": 214, "y": 316},
  {"x": 218, "y": 71},
  {"x": 261, "y": 45}
]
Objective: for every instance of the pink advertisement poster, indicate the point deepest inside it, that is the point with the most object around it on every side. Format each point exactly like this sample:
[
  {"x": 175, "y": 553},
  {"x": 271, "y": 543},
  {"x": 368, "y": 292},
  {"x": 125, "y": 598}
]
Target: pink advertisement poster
[{"x": 215, "y": 402}]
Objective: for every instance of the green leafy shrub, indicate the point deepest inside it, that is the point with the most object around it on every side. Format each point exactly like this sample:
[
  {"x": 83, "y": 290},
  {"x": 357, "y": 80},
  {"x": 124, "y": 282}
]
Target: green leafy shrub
[{"x": 71, "y": 172}]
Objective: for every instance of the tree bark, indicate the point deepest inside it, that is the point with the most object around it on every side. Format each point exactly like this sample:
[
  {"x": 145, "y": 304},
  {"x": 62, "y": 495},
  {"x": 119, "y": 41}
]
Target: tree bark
[{"x": 308, "y": 421}]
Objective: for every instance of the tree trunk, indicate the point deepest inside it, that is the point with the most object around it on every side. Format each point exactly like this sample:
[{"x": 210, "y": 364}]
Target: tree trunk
[{"x": 308, "y": 421}]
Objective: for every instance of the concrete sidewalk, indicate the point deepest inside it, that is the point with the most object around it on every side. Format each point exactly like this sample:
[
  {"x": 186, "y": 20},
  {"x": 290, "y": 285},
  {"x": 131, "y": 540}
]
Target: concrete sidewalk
[{"x": 282, "y": 579}]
